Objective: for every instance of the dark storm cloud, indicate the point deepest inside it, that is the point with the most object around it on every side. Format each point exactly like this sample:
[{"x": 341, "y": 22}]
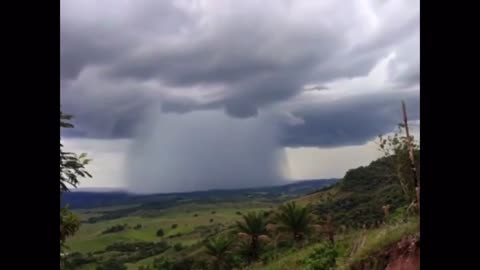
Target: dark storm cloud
[
  {"x": 350, "y": 121},
  {"x": 120, "y": 61}
]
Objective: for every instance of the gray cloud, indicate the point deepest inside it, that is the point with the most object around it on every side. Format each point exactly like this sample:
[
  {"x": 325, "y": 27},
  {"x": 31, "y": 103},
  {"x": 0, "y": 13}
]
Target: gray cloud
[
  {"x": 349, "y": 121},
  {"x": 117, "y": 63}
]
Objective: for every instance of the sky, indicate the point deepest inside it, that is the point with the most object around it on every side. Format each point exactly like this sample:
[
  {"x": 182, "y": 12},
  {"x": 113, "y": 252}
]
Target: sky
[{"x": 189, "y": 95}]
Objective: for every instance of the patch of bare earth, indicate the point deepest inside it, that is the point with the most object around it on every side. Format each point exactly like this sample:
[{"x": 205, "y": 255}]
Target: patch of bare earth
[{"x": 404, "y": 255}]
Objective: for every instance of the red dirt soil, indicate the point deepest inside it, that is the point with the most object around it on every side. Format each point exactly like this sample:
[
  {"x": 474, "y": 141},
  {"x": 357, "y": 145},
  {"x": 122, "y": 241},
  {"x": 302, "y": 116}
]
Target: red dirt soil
[{"x": 405, "y": 255}]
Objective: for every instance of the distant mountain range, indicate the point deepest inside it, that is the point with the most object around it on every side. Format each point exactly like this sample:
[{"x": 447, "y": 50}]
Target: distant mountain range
[{"x": 90, "y": 198}]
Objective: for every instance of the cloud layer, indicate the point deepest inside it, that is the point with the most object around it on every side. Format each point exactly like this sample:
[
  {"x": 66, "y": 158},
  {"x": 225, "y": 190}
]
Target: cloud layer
[
  {"x": 239, "y": 56},
  {"x": 314, "y": 73}
]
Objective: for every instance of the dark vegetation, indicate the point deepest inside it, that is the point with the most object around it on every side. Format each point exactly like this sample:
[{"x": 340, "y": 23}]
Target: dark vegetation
[
  {"x": 362, "y": 193},
  {"x": 111, "y": 264},
  {"x": 116, "y": 228},
  {"x": 118, "y": 254},
  {"x": 72, "y": 167}
]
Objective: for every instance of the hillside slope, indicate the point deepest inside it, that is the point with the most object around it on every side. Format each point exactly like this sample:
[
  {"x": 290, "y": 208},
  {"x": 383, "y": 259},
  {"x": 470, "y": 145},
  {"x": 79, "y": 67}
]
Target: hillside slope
[{"x": 357, "y": 199}]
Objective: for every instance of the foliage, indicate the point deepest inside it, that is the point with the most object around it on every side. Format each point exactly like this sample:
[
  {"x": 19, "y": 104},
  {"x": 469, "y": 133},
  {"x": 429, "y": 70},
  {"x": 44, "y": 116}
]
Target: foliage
[
  {"x": 358, "y": 199},
  {"x": 296, "y": 220},
  {"x": 111, "y": 264},
  {"x": 219, "y": 249},
  {"x": 131, "y": 252},
  {"x": 174, "y": 226},
  {"x": 162, "y": 263},
  {"x": 397, "y": 147},
  {"x": 115, "y": 228},
  {"x": 160, "y": 233},
  {"x": 71, "y": 167},
  {"x": 69, "y": 224},
  {"x": 374, "y": 242},
  {"x": 322, "y": 258},
  {"x": 253, "y": 228},
  {"x": 77, "y": 259},
  {"x": 178, "y": 247},
  {"x": 166, "y": 264}
]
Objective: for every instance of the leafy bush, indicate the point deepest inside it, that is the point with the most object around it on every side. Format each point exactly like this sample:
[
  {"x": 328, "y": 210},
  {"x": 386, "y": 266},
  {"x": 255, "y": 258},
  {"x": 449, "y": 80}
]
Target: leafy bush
[
  {"x": 175, "y": 235},
  {"x": 323, "y": 257},
  {"x": 178, "y": 247},
  {"x": 76, "y": 259},
  {"x": 174, "y": 226},
  {"x": 111, "y": 265},
  {"x": 137, "y": 227},
  {"x": 160, "y": 233},
  {"x": 116, "y": 228},
  {"x": 133, "y": 252}
]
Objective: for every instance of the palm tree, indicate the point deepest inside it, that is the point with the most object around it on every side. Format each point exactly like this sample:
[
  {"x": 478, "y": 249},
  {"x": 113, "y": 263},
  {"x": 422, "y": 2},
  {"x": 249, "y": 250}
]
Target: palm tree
[
  {"x": 253, "y": 228},
  {"x": 219, "y": 248},
  {"x": 296, "y": 220}
]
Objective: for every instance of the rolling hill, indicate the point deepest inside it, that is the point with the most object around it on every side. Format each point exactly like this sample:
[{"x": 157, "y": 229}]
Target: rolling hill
[{"x": 92, "y": 199}]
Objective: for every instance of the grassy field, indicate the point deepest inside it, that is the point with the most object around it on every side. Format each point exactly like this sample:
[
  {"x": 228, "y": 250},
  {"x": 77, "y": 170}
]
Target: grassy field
[{"x": 189, "y": 220}]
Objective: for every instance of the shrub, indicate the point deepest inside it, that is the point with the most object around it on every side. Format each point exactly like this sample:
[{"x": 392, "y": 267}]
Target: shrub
[
  {"x": 116, "y": 228},
  {"x": 160, "y": 233},
  {"x": 323, "y": 257},
  {"x": 211, "y": 220},
  {"x": 178, "y": 247},
  {"x": 174, "y": 226},
  {"x": 77, "y": 259},
  {"x": 111, "y": 265}
]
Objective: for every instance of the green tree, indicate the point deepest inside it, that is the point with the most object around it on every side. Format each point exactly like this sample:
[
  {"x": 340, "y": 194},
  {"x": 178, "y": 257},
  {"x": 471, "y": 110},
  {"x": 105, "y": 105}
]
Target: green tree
[
  {"x": 219, "y": 249},
  {"x": 396, "y": 148},
  {"x": 71, "y": 168},
  {"x": 253, "y": 228},
  {"x": 178, "y": 247},
  {"x": 296, "y": 220},
  {"x": 160, "y": 233}
]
